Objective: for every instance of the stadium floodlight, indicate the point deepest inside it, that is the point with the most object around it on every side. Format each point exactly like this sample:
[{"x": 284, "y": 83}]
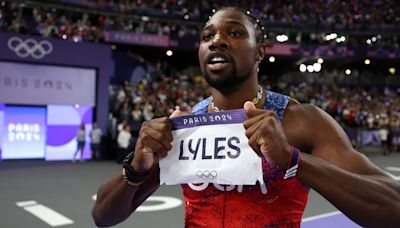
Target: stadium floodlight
[
  {"x": 271, "y": 59},
  {"x": 331, "y": 36},
  {"x": 392, "y": 70},
  {"x": 320, "y": 60},
  {"x": 169, "y": 53},
  {"x": 373, "y": 39},
  {"x": 310, "y": 68},
  {"x": 186, "y": 17},
  {"x": 317, "y": 67},
  {"x": 303, "y": 68},
  {"x": 347, "y": 71},
  {"x": 282, "y": 38},
  {"x": 367, "y": 61}
]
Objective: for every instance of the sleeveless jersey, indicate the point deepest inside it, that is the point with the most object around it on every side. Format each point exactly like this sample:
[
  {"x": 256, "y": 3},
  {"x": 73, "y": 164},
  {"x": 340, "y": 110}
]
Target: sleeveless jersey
[{"x": 276, "y": 203}]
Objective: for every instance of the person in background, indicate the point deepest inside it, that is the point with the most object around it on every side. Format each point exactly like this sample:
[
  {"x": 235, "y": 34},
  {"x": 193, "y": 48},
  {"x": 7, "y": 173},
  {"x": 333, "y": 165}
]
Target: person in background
[
  {"x": 95, "y": 140},
  {"x": 384, "y": 136},
  {"x": 121, "y": 125},
  {"x": 124, "y": 142},
  {"x": 81, "y": 134}
]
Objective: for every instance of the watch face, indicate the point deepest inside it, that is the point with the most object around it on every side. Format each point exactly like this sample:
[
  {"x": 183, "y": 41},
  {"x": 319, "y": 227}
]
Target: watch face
[{"x": 128, "y": 158}]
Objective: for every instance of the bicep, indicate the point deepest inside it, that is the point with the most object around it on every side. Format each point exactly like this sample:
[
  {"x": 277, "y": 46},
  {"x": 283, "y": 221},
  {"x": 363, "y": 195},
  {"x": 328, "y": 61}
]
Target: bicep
[{"x": 321, "y": 136}]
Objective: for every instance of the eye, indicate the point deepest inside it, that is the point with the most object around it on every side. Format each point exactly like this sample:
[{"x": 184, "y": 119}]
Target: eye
[
  {"x": 235, "y": 33},
  {"x": 206, "y": 37}
]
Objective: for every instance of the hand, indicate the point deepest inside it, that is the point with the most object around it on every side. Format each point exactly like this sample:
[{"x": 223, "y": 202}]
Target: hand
[
  {"x": 155, "y": 137},
  {"x": 266, "y": 135}
]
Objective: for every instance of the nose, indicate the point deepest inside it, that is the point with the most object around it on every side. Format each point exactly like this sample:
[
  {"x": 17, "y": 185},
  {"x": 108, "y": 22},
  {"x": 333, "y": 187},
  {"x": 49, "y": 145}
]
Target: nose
[{"x": 218, "y": 41}]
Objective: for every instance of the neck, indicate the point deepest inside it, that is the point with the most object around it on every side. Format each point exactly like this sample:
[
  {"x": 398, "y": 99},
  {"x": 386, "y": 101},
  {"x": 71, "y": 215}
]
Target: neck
[{"x": 235, "y": 97}]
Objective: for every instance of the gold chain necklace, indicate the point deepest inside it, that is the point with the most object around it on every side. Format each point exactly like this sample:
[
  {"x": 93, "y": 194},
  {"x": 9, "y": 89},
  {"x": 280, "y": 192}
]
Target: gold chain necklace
[{"x": 254, "y": 101}]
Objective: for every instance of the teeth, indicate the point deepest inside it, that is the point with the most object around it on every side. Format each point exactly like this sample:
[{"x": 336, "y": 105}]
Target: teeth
[{"x": 217, "y": 59}]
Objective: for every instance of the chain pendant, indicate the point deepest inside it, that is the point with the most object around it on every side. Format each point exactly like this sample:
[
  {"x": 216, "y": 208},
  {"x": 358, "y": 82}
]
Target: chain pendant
[{"x": 254, "y": 101}]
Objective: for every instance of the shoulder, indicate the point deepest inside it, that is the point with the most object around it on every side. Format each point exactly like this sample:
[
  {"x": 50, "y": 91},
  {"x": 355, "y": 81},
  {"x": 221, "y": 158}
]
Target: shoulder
[{"x": 309, "y": 128}]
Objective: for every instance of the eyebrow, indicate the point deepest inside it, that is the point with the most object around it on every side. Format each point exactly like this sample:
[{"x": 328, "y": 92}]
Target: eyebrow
[{"x": 229, "y": 21}]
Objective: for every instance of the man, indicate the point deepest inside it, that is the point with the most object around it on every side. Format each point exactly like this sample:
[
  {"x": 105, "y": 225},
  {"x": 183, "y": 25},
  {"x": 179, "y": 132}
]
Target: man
[
  {"x": 230, "y": 53},
  {"x": 124, "y": 142},
  {"x": 95, "y": 140}
]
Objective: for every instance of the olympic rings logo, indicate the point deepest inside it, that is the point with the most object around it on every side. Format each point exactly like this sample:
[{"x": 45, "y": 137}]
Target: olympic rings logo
[
  {"x": 30, "y": 47},
  {"x": 210, "y": 175}
]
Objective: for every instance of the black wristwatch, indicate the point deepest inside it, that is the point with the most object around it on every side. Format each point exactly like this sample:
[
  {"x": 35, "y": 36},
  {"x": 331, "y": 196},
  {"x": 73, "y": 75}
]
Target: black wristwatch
[{"x": 130, "y": 175}]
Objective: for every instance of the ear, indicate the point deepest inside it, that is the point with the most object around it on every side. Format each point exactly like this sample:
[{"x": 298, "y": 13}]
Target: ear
[{"x": 260, "y": 52}]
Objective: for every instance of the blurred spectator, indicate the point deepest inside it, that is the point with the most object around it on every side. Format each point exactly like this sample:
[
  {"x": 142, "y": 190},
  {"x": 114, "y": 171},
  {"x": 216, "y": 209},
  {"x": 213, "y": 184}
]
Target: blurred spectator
[
  {"x": 383, "y": 136},
  {"x": 124, "y": 142},
  {"x": 95, "y": 141},
  {"x": 121, "y": 125},
  {"x": 81, "y": 138}
]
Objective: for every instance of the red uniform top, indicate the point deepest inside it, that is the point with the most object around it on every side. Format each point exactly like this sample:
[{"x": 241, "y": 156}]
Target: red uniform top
[{"x": 277, "y": 203}]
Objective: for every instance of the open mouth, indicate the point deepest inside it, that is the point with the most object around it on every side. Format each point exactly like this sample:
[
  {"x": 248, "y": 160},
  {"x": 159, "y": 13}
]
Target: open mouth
[{"x": 217, "y": 61}]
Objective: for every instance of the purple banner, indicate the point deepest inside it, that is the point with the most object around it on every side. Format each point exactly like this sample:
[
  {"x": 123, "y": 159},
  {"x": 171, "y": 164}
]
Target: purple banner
[
  {"x": 136, "y": 38},
  {"x": 31, "y": 49},
  {"x": 370, "y": 138},
  {"x": 42, "y": 84},
  {"x": 213, "y": 118},
  {"x": 24, "y": 132},
  {"x": 62, "y": 125}
]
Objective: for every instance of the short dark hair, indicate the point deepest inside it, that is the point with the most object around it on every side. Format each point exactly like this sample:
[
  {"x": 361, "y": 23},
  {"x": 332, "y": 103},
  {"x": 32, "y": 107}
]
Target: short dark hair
[{"x": 258, "y": 27}]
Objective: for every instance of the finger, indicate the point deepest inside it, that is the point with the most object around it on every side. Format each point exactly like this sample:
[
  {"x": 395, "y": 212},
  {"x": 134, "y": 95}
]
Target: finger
[
  {"x": 254, "y": 145},
  {"x": 254, "y": 120},
  {"x": 163, "y": 153},
  {"x": 252, "y": 129},
  {"x": 248, "y": 105},
  {"x": 154, "y": 147},
  {"x": 176, "y": 113},
  {"x": 251, "y": 109},
  {"x": 268, "y": 116},
  {"x": 162, "y": 125},
  {"x": 162, "y": 138},
  {"x": 150, "y": 137}
]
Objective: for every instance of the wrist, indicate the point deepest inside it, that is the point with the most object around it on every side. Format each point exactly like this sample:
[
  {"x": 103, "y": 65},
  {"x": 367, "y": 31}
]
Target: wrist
[
  {"x": 136, "y": 166},
  {"x": 293, "y": 163},
  {"x": 130, "y": 174}
]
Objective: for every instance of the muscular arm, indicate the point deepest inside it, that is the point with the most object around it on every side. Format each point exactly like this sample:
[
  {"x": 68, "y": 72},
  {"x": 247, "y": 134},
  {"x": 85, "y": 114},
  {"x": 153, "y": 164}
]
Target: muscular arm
[
  {"x": 116, "y": 200},
  {"x": 341, "y": 174}
]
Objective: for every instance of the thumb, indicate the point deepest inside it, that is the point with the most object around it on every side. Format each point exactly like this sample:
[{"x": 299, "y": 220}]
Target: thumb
[
  {"x": 176, "y": 113},
  {"x": 248, "y": 105}
]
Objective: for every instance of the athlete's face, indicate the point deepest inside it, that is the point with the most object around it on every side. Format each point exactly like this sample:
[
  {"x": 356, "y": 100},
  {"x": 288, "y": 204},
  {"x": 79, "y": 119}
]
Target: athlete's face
[{"x": 228, "y": 49}]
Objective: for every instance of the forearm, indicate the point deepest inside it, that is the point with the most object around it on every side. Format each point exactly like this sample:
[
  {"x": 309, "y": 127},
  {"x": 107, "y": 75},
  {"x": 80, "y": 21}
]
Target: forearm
[
  {"x": 371, "y": 201},
  {"x": 116, "y": 200}
]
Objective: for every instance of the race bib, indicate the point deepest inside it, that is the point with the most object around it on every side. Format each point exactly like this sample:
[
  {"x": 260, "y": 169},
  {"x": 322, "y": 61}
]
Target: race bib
[{"x": 213, "y": 148}]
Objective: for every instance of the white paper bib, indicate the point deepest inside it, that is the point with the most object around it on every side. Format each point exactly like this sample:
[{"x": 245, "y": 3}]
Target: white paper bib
[{"x": 213, "y": 148}]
